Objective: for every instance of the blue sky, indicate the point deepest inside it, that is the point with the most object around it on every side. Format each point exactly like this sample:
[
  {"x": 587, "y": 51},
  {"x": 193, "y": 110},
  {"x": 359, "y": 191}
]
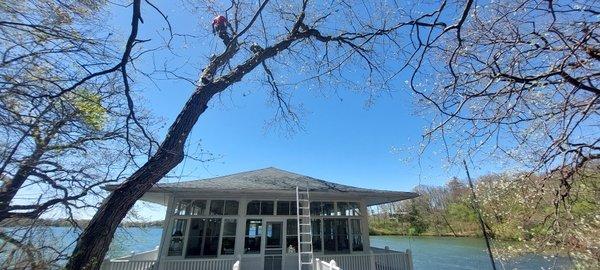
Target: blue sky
[{"x": 342, "y": 139}]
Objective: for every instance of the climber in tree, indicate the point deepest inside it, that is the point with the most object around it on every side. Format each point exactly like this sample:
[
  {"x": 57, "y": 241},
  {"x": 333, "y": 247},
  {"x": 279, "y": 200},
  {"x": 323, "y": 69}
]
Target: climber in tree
[{"x": 219, "y": 26}]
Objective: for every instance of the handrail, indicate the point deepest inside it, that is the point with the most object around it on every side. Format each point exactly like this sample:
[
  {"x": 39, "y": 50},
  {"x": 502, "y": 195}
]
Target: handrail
[{"x": 323, "y": 265}]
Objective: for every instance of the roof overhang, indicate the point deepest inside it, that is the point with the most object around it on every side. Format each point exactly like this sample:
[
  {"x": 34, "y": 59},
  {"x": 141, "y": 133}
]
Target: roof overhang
[{"x": 161, "y": 195}]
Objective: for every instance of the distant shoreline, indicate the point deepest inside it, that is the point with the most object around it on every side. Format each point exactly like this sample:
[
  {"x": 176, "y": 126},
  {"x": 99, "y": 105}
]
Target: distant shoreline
[{"x": 70, "y": 223}]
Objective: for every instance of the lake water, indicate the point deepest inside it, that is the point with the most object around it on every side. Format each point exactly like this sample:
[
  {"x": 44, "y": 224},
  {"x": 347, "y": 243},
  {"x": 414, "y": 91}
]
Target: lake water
[
  {"x": 428, "y": 252},
  {"x": 461, "y": 253}
]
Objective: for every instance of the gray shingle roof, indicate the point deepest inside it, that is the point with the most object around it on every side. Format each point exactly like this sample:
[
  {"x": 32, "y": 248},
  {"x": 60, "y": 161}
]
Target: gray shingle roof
[
  {"x": 263, "y": 179},
  {"x": 273, "y": 179}
]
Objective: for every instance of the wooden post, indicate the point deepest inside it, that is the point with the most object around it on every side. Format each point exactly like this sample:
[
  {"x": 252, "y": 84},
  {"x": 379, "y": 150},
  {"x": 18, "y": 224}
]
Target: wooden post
[
  {"x": 317, "y": 265},
  {"x": 372, "y": 258},
  {"x": 409, "y": 264},
  {"x": 333, "y": 265},
  {"x": 236, "y": 265},
  {"x": 162, "y": 250}
]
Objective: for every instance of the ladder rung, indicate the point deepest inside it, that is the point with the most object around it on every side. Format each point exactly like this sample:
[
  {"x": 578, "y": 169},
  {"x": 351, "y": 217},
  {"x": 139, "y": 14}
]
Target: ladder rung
[
  {"x": 306, "y": 242},
  {"x": 306, "y": 252},
  {"x": 306, "y": 233},
  {"x": 304, "y": 224}
]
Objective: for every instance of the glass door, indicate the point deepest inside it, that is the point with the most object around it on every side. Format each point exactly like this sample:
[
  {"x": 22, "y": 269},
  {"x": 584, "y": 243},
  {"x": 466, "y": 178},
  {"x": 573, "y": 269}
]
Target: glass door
[{"x": 273, "y": 245}]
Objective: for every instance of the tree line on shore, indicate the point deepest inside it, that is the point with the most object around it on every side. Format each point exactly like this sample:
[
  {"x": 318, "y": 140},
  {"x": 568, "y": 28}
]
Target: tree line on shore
[
  {"x": 518, "y": 208},
  {"x": 63, "y": 222}
]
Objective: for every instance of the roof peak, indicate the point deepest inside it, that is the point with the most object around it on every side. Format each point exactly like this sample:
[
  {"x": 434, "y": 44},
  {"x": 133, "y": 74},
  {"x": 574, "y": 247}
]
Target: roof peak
[{"x": 271, "y": 168}]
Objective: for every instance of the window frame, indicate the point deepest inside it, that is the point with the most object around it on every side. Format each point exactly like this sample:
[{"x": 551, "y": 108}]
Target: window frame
[
  {"x": 260, "y": 208},
  {"x": 183, "y": 237},
  {"x": 205, "y": 214},
  {"x": 293, "y": 234},
  {"x": 355, "y": 207},
  {"x": 203, "y": 238},
  {"x": 234, "y": 236},
  {"x": 260, "y": 234}
]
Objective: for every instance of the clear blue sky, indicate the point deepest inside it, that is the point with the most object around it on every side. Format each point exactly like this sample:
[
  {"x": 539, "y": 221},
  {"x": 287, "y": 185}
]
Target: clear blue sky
[{"x": 342, "y": 140}]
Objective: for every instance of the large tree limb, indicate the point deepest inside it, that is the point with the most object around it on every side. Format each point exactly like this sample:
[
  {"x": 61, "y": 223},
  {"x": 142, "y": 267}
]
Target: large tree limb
[{"x": 170, "y": 153}]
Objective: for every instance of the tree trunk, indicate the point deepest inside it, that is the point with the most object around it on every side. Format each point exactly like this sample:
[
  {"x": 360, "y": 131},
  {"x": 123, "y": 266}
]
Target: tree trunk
[
  {"x": 96, "y": 238},
  {"x": 93, "y": 243}
]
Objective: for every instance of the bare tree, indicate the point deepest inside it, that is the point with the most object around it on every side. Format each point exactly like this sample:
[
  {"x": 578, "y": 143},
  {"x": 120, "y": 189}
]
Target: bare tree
[
  {"x": 66, "y": 125},
  {"x": 516, "y": 83},
  {"x": 517, "y": 80},
  {"x": 326, "y": 41}
]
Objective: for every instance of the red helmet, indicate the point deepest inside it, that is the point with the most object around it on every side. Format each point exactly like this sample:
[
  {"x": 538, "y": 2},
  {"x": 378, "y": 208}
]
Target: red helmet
[{"x": 219, "y": 20}]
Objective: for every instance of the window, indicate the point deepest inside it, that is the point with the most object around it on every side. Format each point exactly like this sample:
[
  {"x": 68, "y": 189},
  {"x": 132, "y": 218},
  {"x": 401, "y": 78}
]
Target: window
[
  {"x": 253, "y": 208},
  {"x": 228, "y": 240},
  {"x": 286, "y": 208},
  {"x": 291, "y": 237},
  {"x": 253, "y": 236},
  {"x": 274, "y": 234},
  {"x": 316, "y": 232},
  {"x": 260, "y": 208},
  {"x": 198, "y": 208},
  {"x": 267, "y": 208},
  {"x": 343, "y": 209},
  {"x": 231, "y": 207},
  {"x": 183, "y": 207},
  {"x": 347, "y": 209},
  {"x": 322, "y": 209},
  {"x": 357, "y": 244},
  {"x": 203, "y": 239},
  {"x": 355, "y": 208},
  {"x": 221, "y": 207},
  {"x": 328, "y": 209},
  {"x": 177, "y": 235},
  {"x": 315, "y": 208},
  {"x": 217, "y": 207},
  {"x": 336, "y": 235}
]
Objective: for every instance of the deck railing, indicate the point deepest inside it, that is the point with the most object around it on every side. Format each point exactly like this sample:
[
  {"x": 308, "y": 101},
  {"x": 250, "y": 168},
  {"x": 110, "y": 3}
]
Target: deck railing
[
  {"x": 391, "y": 260},
  {"x": 323, "y": 265},
  {"x": 128, "y": 265},
  {"x": 209, "y": 264},
  {"x": 378, "y": 259},
  {"x": 212, "y": 264}
]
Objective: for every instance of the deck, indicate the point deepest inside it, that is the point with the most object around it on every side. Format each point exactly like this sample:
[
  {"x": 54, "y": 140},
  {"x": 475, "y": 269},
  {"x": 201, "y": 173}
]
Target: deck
[{"x": 377, "y": 259}]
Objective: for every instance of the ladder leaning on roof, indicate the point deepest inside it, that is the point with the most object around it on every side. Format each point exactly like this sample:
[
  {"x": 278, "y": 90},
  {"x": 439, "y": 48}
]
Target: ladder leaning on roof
[{"x": 305, "y": 247}]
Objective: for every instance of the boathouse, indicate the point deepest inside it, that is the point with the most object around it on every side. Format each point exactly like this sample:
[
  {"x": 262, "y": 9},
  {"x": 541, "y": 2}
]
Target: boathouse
[{"x": 267, "y": 219}]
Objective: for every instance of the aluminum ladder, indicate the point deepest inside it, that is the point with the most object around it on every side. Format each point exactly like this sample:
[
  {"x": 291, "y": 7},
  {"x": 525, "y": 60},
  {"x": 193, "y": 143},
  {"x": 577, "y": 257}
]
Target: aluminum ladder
[{"x": 305, "y": 246}]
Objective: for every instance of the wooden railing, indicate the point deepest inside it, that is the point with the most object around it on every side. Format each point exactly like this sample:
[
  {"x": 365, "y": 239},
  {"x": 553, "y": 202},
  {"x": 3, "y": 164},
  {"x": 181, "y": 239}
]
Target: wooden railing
[
  {"x": 392, "y": 260},
  {"x": 149, "y": 255},
  {"x": 128, "y": 265},
  {"x": 209, "y": 264},
  {"x": 323, "y": 265},
  {"x": 377, "y": 259}
]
